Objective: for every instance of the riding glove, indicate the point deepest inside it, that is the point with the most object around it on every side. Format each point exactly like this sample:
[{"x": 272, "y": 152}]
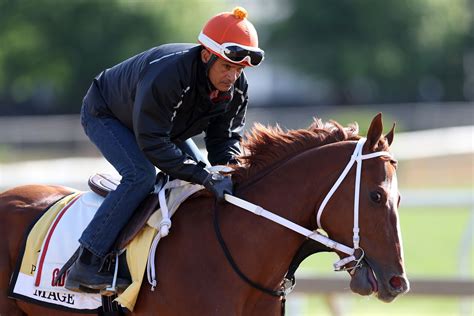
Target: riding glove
[{"x": 219, "y": 185}]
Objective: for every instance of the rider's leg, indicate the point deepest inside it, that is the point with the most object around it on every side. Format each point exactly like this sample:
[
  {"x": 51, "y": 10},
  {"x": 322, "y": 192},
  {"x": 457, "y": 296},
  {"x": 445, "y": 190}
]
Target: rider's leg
[{"x": 118, "y": 145}]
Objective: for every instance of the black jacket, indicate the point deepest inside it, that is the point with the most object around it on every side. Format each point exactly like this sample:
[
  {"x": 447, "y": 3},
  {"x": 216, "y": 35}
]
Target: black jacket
[{"x": 162, "y": 95}]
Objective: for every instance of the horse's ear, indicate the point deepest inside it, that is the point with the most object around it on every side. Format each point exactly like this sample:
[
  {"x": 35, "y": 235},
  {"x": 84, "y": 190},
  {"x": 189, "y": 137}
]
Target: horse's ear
[
  {"x": 375, "y": 132},
  {"x": 389, "y": 136}
]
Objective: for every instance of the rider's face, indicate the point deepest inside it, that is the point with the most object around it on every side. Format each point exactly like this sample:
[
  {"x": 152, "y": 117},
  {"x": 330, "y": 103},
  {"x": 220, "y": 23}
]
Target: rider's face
[{"x": 222, "y": 74}]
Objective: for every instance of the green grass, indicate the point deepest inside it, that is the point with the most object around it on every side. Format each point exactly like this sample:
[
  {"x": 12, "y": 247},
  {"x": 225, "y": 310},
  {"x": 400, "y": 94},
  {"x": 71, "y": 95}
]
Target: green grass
[
  {"x": 432, "y": 241},
  {"x": 431, "y": 245}
]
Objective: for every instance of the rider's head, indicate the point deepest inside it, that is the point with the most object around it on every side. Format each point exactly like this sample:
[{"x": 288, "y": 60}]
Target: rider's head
[{"x": 231, "y": 43}]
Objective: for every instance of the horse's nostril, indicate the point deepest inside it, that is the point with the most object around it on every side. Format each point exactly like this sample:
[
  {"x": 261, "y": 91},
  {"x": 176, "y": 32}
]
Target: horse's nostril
[
  {"x": 395, "y": 282},
  {"x": 398, "y": 284}
]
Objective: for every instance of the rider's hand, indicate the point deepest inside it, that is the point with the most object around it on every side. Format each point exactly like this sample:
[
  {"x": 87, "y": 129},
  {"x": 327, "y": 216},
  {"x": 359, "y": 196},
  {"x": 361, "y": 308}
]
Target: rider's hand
[{"x": 219, "y": 185}]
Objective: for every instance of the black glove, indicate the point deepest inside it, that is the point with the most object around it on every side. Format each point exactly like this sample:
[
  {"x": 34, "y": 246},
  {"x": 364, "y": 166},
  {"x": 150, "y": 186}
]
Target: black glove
[{"x": 219, "y": 185}]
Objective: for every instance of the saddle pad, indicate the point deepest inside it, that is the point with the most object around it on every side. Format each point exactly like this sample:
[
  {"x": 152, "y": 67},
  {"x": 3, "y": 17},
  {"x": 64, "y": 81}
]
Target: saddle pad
[
  {"x": 24, "y": 281},
  {"x": 53, "y": 240}
]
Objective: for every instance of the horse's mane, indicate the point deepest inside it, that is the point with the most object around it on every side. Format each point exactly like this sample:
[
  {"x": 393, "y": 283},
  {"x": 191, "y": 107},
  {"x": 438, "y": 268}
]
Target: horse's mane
[{"x": 267, "y": 145}]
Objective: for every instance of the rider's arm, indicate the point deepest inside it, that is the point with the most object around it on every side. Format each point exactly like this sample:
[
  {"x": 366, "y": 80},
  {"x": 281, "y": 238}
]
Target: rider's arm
[
  {"x": 224, "y": 133},
  {"x": 152, "y": 124}
]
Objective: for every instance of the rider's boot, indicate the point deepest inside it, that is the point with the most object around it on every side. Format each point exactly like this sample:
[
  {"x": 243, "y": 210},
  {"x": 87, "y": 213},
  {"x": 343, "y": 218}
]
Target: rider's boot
[{"x": 85, "y": 274}]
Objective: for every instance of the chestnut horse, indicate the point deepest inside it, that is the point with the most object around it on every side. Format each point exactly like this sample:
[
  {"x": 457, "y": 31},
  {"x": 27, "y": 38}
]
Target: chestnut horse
[{"x": 289, "y": 173}]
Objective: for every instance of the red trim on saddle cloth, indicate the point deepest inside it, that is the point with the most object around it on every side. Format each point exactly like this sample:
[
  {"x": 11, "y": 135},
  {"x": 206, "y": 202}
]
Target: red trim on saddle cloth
[{"x": 48, "y": 238}]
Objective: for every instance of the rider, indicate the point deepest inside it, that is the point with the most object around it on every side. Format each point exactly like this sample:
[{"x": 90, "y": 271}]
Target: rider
[{"x": 143, "y": 112}]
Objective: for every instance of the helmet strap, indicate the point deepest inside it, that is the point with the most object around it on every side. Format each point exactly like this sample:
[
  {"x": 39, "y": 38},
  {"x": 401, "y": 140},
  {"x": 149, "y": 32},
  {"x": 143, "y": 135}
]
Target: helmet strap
[{"x": 209, "y": 64}]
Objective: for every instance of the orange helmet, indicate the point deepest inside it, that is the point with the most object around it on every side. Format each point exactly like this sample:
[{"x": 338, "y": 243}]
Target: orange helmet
[{"x": 232, "y": 37}]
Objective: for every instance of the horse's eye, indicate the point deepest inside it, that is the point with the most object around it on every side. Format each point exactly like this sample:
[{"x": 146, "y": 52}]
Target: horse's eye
[{"x": 376, "y": 196}]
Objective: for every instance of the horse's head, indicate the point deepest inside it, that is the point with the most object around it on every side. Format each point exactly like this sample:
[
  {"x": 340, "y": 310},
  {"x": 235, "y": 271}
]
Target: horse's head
[{"x": 382, "y": 269}]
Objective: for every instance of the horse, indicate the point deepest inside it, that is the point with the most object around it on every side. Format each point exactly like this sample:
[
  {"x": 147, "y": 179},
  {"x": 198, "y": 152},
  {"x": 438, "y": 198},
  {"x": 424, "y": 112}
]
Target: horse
[{"x": 287, "y": 172}]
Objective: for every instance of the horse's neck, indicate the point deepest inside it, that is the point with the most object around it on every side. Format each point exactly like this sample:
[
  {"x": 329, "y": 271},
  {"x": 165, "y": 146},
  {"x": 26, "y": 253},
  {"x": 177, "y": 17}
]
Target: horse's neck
[{"x": 292, "y": 190}]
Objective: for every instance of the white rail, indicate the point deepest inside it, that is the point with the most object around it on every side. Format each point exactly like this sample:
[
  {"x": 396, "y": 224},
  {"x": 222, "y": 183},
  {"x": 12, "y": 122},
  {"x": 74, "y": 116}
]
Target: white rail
[{"x": 434, "y": 143}]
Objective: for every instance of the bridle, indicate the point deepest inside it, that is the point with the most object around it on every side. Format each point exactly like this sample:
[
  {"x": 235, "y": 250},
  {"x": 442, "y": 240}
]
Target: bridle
[{"x": 356, "y": 157}]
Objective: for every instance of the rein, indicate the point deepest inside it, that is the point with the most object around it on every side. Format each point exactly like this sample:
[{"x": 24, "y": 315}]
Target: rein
[
  {"x": 357, "y": 157},
  {"x": 231, "y": 260}
]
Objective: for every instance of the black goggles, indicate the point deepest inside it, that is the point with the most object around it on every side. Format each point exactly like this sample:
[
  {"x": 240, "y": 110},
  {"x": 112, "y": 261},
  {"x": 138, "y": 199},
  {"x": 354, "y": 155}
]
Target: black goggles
[{"x": 238, "y": 54}]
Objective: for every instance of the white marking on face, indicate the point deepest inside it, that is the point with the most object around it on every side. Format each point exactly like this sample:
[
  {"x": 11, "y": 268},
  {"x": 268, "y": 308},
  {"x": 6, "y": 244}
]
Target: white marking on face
[
  {"x": 393, "y": 192},
  {"x": 391, "y": 187},
  {"x": 392, "y": 198}
]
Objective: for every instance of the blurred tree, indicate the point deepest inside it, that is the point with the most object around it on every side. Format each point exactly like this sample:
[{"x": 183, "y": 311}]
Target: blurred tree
[
  {"x": 378, "y": 51},
  {"x": 51, "y": 49}
]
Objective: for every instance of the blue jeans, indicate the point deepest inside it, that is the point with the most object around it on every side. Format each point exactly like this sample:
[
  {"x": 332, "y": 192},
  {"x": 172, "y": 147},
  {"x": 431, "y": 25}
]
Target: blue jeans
[{"x": 118, "y": 145}]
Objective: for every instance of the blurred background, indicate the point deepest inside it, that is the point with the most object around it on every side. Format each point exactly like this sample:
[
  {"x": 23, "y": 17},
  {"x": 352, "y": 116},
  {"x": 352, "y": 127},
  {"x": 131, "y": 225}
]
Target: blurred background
[{"x": 343, "y": 60}]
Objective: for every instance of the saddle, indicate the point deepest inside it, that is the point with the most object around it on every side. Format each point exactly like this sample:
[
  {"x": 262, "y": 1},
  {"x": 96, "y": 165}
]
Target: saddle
[{"x": 103, "y": 184}]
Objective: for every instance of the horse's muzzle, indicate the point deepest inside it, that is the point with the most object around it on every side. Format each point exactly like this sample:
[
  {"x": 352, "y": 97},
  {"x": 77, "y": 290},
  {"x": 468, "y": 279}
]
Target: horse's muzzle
[{"x": 367, "y": 280}]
